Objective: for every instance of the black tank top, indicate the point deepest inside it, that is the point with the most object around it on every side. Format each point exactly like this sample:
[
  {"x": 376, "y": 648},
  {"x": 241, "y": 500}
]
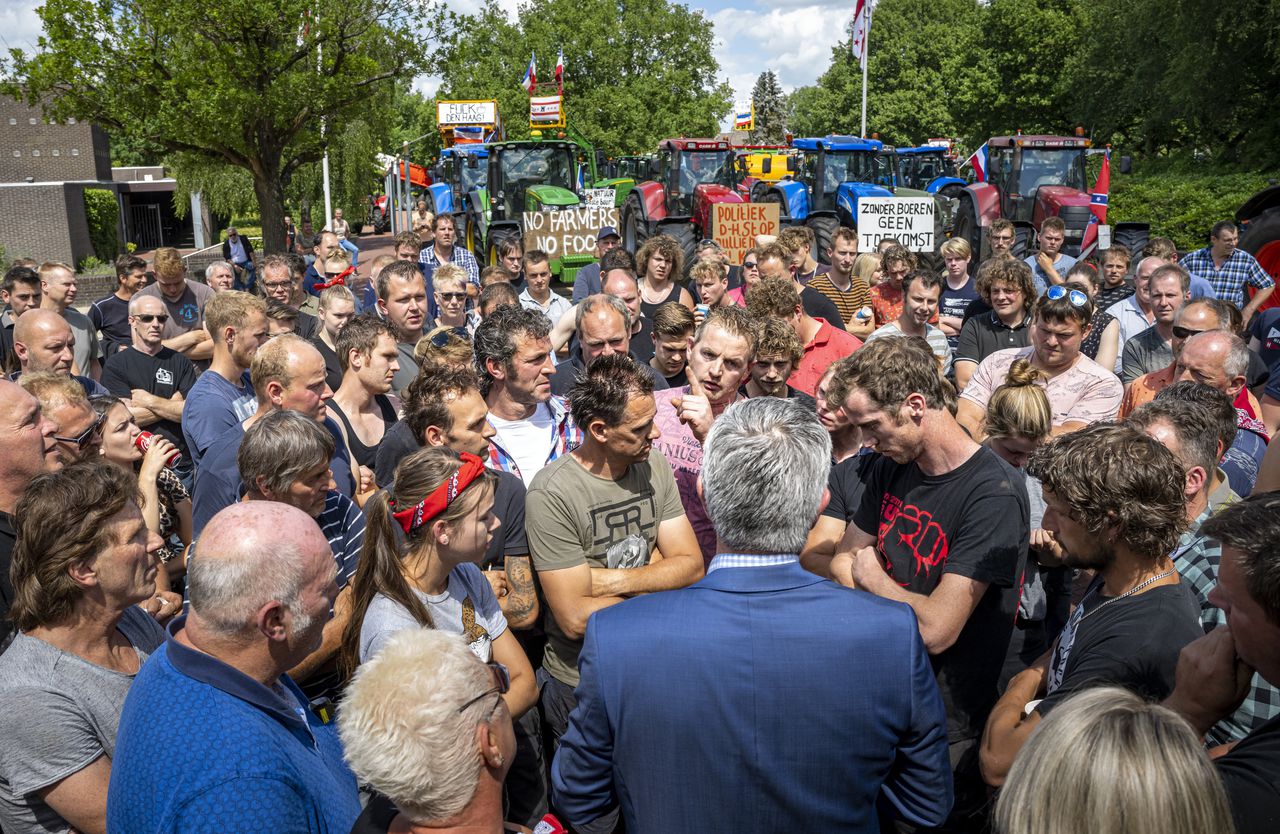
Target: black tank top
[
  {"x": 365, "y": 455},
  {"x": 648, "y": 309}
]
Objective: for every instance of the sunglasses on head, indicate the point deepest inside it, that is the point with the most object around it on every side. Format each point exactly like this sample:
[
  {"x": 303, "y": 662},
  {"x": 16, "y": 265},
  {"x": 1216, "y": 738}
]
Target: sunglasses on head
[
  {"x": 501, "y": 685},
  {"x": 147, "y": 318},
  {"x": 442, "y": 338},
  {"x": 1077, "y": 298},
  {"x": 1185, "y": 332},
  {"x": 85, "y": 437}
]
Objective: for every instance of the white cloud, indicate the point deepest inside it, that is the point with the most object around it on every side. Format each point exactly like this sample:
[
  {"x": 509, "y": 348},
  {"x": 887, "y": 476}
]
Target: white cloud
[
  {"x": 20, "y": 26},
  {"x": 794, "y": 41}
]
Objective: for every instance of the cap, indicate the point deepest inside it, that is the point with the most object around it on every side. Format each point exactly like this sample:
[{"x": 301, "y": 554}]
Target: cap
[{"x": 607, "y": 231}]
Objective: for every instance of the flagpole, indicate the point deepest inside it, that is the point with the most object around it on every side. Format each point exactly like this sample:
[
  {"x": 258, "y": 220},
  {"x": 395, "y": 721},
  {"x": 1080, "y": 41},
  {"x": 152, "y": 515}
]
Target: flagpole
[{"x": 866, "y": 7}]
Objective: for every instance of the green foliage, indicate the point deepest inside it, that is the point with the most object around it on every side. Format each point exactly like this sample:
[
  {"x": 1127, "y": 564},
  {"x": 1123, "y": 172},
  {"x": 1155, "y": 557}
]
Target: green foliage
[
  {"x": 1180, "y": 201},
  {"x": 261, "y": 85},
  {"x": 1148, "y": 76},
  {"x": 103, "y": 213},
  {"x": 89, "y": 264},
  {"x": 635, "y": 72},
  {"x": 770, "y": 105}
]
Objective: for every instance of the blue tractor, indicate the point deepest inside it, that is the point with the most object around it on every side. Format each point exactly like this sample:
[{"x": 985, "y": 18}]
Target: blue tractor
[
  {"x": 462, "y": 171},
  {"x": 929, "y": 168},
  {"x": 827, "y": 178}
]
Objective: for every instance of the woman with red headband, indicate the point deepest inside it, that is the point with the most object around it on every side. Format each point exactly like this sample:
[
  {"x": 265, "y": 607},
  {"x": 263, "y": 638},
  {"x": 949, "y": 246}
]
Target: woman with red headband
[{"x": 424, "y": 538}]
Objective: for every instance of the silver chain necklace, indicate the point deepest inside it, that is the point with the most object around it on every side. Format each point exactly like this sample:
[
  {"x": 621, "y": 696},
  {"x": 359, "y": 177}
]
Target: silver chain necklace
[{"x": 1128, "y": 593}]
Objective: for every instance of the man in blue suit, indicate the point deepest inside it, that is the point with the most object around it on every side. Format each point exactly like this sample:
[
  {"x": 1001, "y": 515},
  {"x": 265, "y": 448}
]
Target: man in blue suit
[{"x": 762, "y": 697}]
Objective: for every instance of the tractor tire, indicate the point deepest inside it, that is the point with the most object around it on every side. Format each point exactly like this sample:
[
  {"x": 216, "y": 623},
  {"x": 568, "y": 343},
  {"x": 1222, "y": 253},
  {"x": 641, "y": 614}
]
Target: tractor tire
[
  {"x": 951, "y": 192},
  {"x": 1022, "y": 236},
  {"x": 967, "y": 229},
  {"x": 494, "y": 249},
  {"x": 635, "y": 229},
  {"x": 784, "y": 219},
  {"x": 687, "y": 236},
  {"x": 824, "y": 228},
  {"x": 380, "y": 221},
  {"x": 1132, "y": 238},
  {"x": 758, "y": 190},
  {"x": 1262, "y": 240}
]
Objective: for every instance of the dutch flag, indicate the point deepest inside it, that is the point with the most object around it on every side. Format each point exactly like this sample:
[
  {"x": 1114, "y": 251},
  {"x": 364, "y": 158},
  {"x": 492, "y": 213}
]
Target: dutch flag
[
  {"x": 979, "y": 162},
  {"x": 530, "y": 79}
]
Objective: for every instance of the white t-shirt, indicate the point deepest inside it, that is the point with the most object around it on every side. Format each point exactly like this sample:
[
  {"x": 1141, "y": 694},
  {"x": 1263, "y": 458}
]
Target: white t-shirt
[
  {"x": 467, "y": 607},
  {"x": 528, "y": 441}
]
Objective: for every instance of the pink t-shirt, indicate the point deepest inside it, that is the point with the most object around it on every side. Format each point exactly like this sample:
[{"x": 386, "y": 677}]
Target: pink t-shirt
[
  {"x": 1085, "y": 393},
  {"x": 828, "y": 345},
  {"x": 683, "y": 451}
]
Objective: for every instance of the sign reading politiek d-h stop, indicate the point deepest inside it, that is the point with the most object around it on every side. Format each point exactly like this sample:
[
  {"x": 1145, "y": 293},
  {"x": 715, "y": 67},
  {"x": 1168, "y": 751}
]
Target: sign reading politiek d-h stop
[
  {"x": 909, "y": 220},
  {"x": 735, "y": 226}
]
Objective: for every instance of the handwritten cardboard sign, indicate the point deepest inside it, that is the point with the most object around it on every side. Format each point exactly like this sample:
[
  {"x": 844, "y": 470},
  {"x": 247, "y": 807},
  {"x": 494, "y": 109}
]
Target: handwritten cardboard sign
[
  {"x": 570, "y": 231},
  {"x": 735, "y": 225},
  {"x": 909, "y": 220},
  {"x": 598, "y": 197}
]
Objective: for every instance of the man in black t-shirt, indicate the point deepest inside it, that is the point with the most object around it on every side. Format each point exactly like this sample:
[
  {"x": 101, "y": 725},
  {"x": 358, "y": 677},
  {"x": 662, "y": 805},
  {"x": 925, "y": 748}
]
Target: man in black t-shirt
[
  {"x": 1114, "y": 502},
  {"x": 110, "y": 314},
  {"x": 1214, "y": 672},
  {"x": 154, "y": 380},
  {"x": 943, "y": 526}
]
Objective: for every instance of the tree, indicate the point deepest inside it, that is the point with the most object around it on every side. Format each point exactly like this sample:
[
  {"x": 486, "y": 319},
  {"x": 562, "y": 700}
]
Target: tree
[
  {"x": 770, "y": 105},
  {"x": 261, "y": 85},
  {"x": 635, "y": 72}
]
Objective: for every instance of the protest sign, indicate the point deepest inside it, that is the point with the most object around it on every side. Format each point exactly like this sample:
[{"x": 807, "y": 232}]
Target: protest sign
[
  {"x": 570, "y": 231},
  {"x": 466, "y": 112},
  {"x": 909, "y": 220},
  {"x": 598, "y": 197},
  {"x": 735, "y": 225}
]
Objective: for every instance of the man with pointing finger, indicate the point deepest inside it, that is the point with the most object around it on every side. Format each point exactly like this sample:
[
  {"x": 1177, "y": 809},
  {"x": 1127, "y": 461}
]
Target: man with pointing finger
[{"x": 721, "y": 351}]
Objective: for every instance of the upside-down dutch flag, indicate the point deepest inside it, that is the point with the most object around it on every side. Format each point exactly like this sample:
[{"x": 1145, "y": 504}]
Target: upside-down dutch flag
[
  {"x": 1098, "y": 204},
  {"x": 979, "y": 162},
  {"x": 530, "y": 80},
  {"x": 560, "y": 72}
]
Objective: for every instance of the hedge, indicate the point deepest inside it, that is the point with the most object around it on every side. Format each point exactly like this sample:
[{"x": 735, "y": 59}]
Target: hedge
[
  {"x": 103, "y": 214},
  {"x": 1181, "y": 204}
]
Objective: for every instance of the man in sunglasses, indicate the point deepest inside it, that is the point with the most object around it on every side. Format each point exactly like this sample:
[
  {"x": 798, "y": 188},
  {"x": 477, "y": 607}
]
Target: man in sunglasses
[
  {"x": 1196, "y": 316},
  {"x": 152, "y": 379},
  {"x": 1080, "y": 390},
  {"x": 43, "y": 341},
  {"x": 78, "y": 428}
]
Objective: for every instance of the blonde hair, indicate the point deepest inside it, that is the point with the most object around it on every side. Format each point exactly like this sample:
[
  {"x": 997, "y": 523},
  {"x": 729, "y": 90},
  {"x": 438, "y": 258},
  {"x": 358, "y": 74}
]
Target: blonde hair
[
  {"x": 167, "y": 263},
  {"x": 231, "y": 309},
  {"x": 53, "y": 390},
  {"x": 455, "y": 351},
  {"x": 448, "y": 274},
  {"x": 1108, "y": 762},
  {"x": 865, "y": 266},
  {"x": 956, "y": 247},
  {"x": 1019, "y": 407}
]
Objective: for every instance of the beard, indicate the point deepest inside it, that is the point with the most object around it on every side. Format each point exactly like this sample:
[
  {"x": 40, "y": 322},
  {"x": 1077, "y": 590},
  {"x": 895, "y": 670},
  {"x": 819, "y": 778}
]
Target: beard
[{"x": 1099, "y": 558}]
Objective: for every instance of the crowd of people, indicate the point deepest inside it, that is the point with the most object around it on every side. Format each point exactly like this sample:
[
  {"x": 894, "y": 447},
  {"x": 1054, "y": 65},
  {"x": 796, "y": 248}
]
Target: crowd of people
[{"x": 817, "y": 541}]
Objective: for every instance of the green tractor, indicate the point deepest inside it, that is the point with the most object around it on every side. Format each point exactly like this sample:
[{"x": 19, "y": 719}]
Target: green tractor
[{"x": 529, "y": 176}]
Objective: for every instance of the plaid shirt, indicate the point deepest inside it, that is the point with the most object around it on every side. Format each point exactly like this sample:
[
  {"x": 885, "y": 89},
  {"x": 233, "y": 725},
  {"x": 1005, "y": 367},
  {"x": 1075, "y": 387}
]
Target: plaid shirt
[
  {"x": 567, "y": 437},
  {"x": 1228, "y": 282},
  {"x": 751, "y": 560},
  {"x": 429, "y": 261},
  {"x": 1197, "y": 559}
]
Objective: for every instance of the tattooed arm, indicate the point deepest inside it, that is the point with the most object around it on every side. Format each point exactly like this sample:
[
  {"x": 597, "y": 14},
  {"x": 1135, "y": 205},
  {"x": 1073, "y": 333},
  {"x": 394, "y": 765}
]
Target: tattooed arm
[{"x": 520, "y": 603}]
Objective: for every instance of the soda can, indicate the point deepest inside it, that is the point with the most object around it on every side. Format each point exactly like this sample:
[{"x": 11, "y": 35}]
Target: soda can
[
  {"x": 704, "y": 309},
  {"x": 144, "y": 443}
]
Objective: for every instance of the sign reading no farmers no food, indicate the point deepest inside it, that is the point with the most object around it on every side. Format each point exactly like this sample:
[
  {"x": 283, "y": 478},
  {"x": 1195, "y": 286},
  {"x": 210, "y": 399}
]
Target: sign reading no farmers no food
[{"x": 571, "y": 231}]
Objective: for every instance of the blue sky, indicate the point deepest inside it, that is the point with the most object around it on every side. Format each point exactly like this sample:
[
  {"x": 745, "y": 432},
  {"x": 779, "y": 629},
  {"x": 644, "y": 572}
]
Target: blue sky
[{"x": 791, "y": 37}]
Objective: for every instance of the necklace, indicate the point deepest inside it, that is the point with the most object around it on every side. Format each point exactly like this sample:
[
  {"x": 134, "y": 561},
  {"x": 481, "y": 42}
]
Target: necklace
[{"x": 1128, "y": 593}]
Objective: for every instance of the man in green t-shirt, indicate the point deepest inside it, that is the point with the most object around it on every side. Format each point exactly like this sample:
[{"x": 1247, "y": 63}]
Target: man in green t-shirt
[{"x": 604, "y": 522}]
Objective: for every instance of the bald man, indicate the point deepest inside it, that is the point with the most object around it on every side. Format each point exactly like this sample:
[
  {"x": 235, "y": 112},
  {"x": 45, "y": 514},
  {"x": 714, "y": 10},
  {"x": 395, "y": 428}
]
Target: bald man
[
  {"x": 287, "y": 372},
  {"x": 27, "y": 447},
  {"x": 153, "y": 380},
  {"x": 43, "y": 341},
  {"x": 58, "y": 294},
  {"x": 261, "y": 583}
]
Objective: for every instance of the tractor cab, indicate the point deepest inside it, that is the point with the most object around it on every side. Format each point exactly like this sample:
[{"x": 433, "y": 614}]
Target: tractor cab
[
  {"x": 689, "y": 167},
  {"x": 459, "y": 172},
  {"x": 529, "y": 176},
  {"x": 1038, "y": 175},
  {"x": 837, "y": 170},
  {"x": 927, "y": 168}
]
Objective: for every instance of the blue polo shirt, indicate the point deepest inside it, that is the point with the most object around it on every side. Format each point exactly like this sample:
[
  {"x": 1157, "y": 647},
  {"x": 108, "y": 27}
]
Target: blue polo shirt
[{"x": 247, "y": 758}]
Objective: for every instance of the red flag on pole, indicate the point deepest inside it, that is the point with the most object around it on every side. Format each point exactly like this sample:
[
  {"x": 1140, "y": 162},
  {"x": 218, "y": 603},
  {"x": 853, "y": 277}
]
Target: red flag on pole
[{"x": 1097, "y": 205}]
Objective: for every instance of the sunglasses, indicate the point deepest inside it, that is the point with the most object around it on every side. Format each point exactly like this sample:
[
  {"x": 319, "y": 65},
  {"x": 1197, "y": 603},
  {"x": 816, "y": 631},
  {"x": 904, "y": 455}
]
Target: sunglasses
[
  {"x": 452, "y": 296},
  {"x": 501, "y": 685},
  {"x": 1185, "y": 332},
  {"x": 147, "y": 318},
  {"x": 748, "y": 264},
  {"x": 85, "y": 437},
  {"x": 442, "y": 338},
  {"x": 1077, "y": 298}
]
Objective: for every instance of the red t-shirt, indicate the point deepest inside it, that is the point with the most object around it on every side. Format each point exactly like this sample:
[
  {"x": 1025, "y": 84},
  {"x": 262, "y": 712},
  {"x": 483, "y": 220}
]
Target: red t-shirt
[{"x": 828, "y": 345}]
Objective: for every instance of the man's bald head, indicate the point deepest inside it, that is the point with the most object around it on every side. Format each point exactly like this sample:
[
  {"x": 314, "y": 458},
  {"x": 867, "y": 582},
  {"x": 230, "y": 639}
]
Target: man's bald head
[
  {"x": 1217, "y": 358},
  {"x": 43, "y": 341},
  {"x": 254, "y": 556}
]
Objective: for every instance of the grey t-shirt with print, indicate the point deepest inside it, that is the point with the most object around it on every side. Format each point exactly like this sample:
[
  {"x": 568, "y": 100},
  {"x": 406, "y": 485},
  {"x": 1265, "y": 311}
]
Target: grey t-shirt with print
[
  {"x": 467, "y": 607},
  {"x": 60, "y": 715}
]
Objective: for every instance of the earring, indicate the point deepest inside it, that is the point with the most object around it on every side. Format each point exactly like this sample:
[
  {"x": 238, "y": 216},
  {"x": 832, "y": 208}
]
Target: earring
[
  {"x": 499, "y": 760},
  {"x": 444, "y": 540}
]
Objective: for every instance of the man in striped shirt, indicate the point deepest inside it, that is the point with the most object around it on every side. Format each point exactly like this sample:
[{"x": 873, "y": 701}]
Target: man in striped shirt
[{"x": 847, "y": 291}]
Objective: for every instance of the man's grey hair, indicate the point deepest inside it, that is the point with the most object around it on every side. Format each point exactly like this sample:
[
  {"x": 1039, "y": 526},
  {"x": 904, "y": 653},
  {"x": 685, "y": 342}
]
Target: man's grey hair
[
  {"x": 214, "y": 267},
  {"x": 279, "y": 448},
  {"x": 402, "y": 731},
  {"x": 765, "y": 466},
  {"x": 1236, "y": 361},
  {"x": 226, "y": 591},
  {"x": 498, "y": 336},
  {"x": 594, "y": 302}
]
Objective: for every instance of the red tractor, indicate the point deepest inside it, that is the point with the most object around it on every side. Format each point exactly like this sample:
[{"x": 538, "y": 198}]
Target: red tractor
[
  {"x": 686, "y": 178},
  {"x": 1030, "y": 178}
]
